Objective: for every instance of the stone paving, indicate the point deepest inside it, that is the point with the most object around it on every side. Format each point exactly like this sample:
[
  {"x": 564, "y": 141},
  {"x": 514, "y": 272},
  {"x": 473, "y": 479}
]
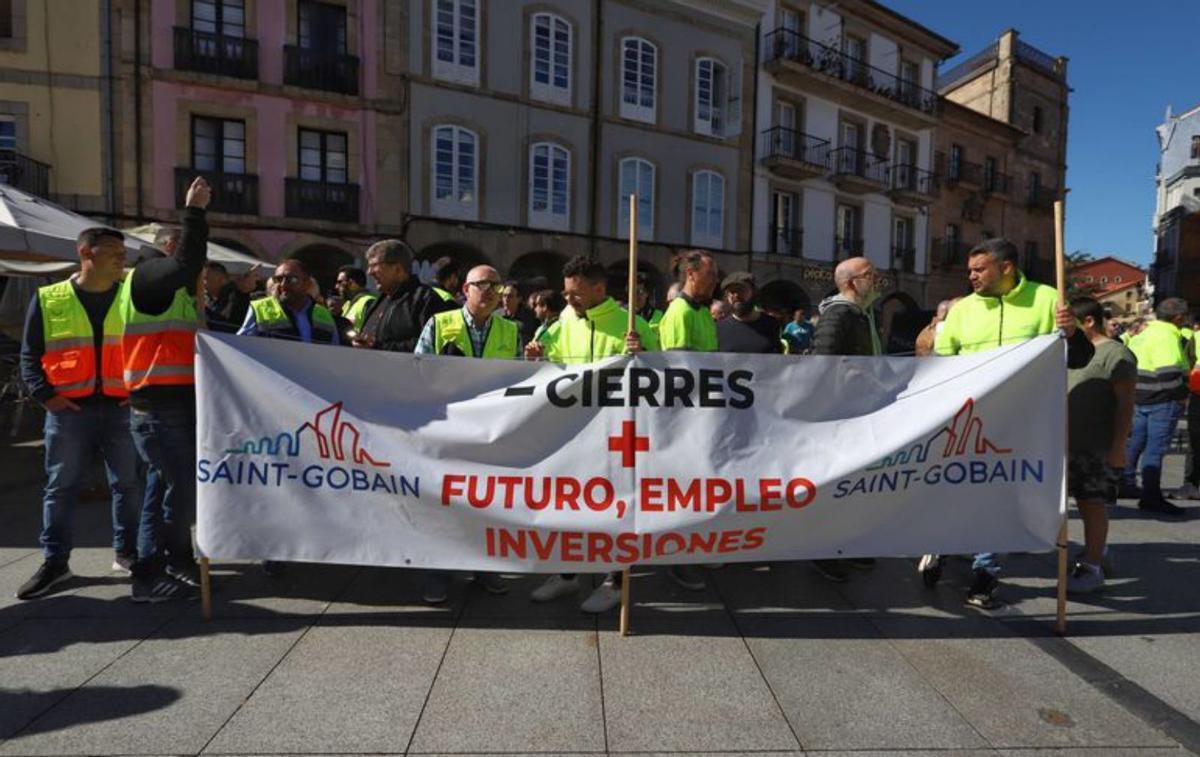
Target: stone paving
[{"x": 767, "y": 660}]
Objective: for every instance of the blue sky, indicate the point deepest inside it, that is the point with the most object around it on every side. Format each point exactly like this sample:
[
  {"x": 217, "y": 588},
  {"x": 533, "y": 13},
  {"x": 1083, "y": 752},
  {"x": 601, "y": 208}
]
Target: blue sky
[{"x": 1127, "y": 63}]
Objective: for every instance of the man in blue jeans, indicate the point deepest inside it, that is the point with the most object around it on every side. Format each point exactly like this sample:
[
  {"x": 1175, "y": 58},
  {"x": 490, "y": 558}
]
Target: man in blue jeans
[
  {"x": 159, "y": 319},
  {"x": 70, "y": 363},
  {"x": 1161, "y": 392}
]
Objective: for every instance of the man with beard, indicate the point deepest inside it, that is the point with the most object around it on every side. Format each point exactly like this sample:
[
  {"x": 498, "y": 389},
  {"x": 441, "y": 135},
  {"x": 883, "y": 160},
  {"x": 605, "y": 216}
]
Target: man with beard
[{"x": 748, "y": 330}]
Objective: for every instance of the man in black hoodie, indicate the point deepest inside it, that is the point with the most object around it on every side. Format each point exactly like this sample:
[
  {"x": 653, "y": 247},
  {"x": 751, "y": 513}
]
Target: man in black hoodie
[
  {"x": 394, "y": 321},
  {"x": 847, "y": 327}
]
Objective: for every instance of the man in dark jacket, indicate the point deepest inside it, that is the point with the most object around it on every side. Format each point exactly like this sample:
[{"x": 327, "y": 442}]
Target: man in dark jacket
[
  {"x": 847, "y": 324},
  {"x": 847, "y": 327},
  {"x": 226, "y": 300},
  {"x": 394, "y": 321}
]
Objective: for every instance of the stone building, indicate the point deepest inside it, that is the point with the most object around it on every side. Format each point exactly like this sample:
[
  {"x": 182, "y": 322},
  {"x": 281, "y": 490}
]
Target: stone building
[
  {"x": 1001, "y": 172},
  {"x": 1176, "y": 268}
]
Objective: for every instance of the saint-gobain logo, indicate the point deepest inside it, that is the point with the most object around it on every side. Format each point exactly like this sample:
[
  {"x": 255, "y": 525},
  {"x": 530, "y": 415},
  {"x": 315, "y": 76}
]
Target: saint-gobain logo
[
  {"x": 336, "y": 440},
  {"x": 962, "y": 436},
  {"x": 958, "y": 453}
]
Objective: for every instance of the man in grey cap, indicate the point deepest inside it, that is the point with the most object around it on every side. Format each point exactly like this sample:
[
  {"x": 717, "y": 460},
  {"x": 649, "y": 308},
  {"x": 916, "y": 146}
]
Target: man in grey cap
[{"x": 749, "y": 330}]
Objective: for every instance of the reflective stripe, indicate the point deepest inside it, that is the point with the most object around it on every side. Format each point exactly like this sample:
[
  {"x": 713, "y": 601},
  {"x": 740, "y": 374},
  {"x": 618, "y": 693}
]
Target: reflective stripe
[
  {"x": 134, "y": 377},
  {"x": 69, "y": 342},
  {"x": 64, "y": 388},
  {"x": 151, "y": 327}
]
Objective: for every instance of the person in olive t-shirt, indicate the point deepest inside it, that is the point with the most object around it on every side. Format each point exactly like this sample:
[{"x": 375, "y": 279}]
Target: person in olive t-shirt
[{"x": 1099, "y": 417}]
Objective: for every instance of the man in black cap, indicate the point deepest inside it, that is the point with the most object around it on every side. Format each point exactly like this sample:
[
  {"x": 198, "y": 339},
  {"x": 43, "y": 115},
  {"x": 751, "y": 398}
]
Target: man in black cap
[{"x": 749, "y": 330}]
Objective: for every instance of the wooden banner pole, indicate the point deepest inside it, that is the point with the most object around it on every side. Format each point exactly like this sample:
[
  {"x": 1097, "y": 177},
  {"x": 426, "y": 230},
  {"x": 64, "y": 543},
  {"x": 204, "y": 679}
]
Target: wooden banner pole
[
  {"x": 205, "y": 589},
  {"x": 1060, "y": 272},
  {"x": 631, "y": 306}
]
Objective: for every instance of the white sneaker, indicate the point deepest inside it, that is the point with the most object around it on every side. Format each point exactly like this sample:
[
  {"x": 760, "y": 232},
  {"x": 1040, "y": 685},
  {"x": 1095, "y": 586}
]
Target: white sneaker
[
  {"x": 556, "y": 586},
  {"x": 1187, "y": 491},
  {"x": 604, "y": 598},
  {"x": 1085, "y": 578}
]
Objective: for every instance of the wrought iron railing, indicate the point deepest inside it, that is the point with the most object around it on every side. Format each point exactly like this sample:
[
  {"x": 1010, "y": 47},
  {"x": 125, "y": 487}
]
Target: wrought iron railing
[
  {"x": 908, "y": 178},
  {"x": 24, "y": 173},
  {"x": 781, "y": 142},
  {"x": 1041, "y": 198},
  {"x": 850, "y": 161},
  {"x": 215, "y": 54},
  {"x": 231, "y": 192},
  {"x": 787, "y": 44},
  {"x": 847, "y": 247},
  {"x": 948, "y": 253},
  {"x": 316, "y": 69},
  {"x": 787, "y": 241},
  {"x": 322, "y": 200},
  {"x": 904, "y": 259}
]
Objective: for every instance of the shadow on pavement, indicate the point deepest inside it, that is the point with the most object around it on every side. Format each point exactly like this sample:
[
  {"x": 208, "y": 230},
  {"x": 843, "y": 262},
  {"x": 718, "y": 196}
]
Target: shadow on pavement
[{"x": 93, "y": 704}]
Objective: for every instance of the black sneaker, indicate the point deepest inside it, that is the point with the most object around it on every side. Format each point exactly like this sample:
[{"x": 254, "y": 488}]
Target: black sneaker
[
  {"x": 831, "y": 570},
  {"x": 930, "y": 568},
  {"x": 982, "y": 593},
  {"x": 1160, "y": 506},
  {"x": 47, "y": 577},
  {"x": 161, "y": 589},
  {"x": 189, "y": 575}
]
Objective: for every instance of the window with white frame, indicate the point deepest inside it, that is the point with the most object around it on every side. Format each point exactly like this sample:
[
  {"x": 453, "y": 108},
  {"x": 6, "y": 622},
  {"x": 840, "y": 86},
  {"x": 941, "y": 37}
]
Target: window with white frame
[
  {"x": 550, "y": 63},
  {"x": 456, "y": 40},
  {"x": 639, "y": 64},
  {"x": 455, "y": 173},
  {"x": 549, "y": 186},
  {"x": 708, "y": 209},
  {"x": 711, "y": 84},
  {"x": 636, "y": 177}
]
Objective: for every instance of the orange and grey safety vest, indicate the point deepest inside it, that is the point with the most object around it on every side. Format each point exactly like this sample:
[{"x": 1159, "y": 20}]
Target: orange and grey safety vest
[
  {"x": 70, "y": 357},
  {"x": 158, "y": 350}
]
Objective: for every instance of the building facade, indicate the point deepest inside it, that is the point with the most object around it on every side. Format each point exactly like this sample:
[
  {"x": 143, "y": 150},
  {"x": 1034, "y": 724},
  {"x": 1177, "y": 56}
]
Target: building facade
[
  {"x": 1117, "y": 283},
  {"x": 1001, "y": 152},
  {"x": 56, "y": 126},
  {"x": 845, "y": 117},
  {"x": 1176, "y": 268},
  {"x": 528, "y": 129}
]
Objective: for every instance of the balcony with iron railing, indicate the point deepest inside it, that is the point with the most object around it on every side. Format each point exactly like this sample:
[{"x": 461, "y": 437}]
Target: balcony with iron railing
[
  {"x": 913, "y": 186},
  {"x": 235, "y": 193},
  {"x": 948, "y": 253},
  {"x": 24, "y": 173},
  {"x": 995, "y": 183},
  {"x": 794, "y": 154},
  {"x": 858, "y": 170},
  {"x": 323, "y": 200},
  {"x": 1041, "y": 198},
  {"x": 317, "y": 69},
  {"x": 782, "y": 47},
  {"x": 847, "y": 247},
  {"x": 215, "y": 54},
  {"x": 786, "y": 240},
  {"x": 964, "y": 173},
  {"x": 904, "y": 258}
]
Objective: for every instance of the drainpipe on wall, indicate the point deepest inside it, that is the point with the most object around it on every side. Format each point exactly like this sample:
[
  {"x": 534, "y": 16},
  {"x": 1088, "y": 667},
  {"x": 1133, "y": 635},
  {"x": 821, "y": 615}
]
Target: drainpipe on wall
[
  {"x": 597, "y": 41},
  {"x": 137, "y": 103},
  {"x": 753, "y": 146},
  {"x": 108, "y": 114}
]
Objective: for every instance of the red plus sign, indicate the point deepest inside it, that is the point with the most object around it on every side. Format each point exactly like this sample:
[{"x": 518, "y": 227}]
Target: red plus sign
[{"x": 628, "y": 443}]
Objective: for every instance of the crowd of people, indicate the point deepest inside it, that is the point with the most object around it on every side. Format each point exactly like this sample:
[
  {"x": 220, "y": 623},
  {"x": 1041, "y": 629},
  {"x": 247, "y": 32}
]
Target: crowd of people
[{"x": 110, "y": 356}]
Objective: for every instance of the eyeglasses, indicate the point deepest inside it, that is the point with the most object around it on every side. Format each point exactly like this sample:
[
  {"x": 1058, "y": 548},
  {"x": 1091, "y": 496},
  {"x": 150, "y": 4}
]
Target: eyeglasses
[
  {"x": 286, "y": 278},
  {"x": 485, "y": 285}
]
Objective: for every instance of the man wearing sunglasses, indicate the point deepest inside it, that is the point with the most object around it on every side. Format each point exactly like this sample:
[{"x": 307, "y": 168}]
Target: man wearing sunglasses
[
  {"x": 290, "y": 313},
  {"x": 474, "y": 330}
]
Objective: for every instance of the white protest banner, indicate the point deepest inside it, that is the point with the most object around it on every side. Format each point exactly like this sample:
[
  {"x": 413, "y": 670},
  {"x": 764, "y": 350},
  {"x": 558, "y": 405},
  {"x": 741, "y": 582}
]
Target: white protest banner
[{"x": 324, "y": 454}]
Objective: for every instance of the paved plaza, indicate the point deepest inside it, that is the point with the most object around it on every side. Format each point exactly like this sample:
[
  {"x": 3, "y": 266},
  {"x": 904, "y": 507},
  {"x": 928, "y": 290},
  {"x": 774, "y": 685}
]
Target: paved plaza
[{"x": 770, "y": 659}]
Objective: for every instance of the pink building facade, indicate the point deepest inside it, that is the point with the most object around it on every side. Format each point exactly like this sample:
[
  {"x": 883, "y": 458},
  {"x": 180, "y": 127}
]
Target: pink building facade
[{"x": 280, "y": 104}]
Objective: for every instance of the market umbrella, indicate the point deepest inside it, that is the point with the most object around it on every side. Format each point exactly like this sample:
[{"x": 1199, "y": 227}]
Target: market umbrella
[
  {"x": 236, "y": 262},
  {"x": 37, "y": 237}
]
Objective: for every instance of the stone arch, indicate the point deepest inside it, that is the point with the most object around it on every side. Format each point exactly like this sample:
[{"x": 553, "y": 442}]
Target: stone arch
[
  {"x": 784, "y": 295},
  {"x": 322, "y": 261},
  {"x": 465, "y": 256},
  {"x": 538, "y": 270},
  {"x": 618, "y": 280},
  {"x": 900, "y": 320}
]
